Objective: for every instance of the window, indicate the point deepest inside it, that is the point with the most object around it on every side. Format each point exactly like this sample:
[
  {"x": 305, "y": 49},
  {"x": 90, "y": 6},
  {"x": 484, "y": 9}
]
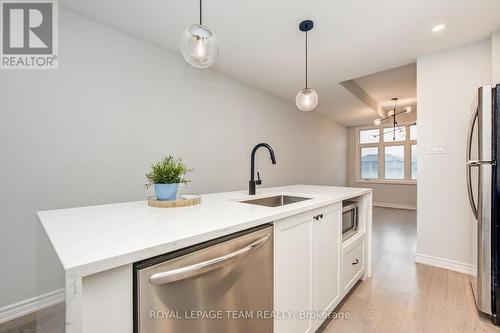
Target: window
[
  {"x": 369, "y": 136},
  {"x": 369, "y": 163},
  {"x": 394, "y": 161},
  {"x": 391, "y": 136},
  {"x": 413, "y": 132},
  {"x": 387, "y": 156}
]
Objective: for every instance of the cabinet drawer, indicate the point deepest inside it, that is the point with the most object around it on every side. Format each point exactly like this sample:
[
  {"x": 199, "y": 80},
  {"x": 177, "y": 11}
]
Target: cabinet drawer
[{"x": 353, "y": 264}]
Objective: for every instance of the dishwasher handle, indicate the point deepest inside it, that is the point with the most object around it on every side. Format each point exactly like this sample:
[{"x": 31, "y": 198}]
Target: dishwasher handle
[{"x": 205, "y": 266}]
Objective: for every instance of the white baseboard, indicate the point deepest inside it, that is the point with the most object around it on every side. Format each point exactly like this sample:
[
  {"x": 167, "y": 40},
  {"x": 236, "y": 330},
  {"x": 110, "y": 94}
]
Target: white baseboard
[
  {"x": 450, "y": 265},
  {"x": 23, "y": 308},
  {"x": 392, "y": 205}
]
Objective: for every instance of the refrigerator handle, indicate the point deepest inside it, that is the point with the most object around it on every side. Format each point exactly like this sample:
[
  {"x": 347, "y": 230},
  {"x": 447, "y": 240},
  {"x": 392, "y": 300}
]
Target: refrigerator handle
[{"x": 470, "y": 165}]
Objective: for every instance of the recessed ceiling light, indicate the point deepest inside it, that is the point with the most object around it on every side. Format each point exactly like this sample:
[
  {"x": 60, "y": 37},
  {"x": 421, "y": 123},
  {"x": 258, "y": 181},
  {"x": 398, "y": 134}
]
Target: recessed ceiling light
[{"x": 438, "y": 28}]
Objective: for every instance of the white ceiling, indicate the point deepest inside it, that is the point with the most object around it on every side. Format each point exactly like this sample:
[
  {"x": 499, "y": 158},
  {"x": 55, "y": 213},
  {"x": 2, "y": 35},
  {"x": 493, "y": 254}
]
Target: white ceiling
[
  {"x": 381, "y": 87},
  {"x": 260, "y": 42},
  {"x": 398, "y": 82}
]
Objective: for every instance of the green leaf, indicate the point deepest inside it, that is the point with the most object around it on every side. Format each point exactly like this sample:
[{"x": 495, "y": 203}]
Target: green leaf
[{"x": 169, "y": 170}]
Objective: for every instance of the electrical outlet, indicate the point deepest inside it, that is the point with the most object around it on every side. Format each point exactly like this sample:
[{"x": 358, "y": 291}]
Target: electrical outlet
[{"x": 436, "y": 148}]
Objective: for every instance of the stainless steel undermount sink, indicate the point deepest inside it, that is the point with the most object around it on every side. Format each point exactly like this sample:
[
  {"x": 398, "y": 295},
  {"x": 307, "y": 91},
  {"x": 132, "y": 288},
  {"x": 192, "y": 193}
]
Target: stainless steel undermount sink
[{"x": 275, "y": 201}]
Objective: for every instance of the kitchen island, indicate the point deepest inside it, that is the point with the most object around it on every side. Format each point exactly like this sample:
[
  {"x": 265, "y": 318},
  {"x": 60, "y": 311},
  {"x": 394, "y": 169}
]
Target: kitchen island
[{"x": 98, "y": 245}]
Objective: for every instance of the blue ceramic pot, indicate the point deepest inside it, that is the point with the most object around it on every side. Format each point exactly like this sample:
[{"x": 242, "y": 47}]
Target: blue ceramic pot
[{"x": 166, "y": 191}]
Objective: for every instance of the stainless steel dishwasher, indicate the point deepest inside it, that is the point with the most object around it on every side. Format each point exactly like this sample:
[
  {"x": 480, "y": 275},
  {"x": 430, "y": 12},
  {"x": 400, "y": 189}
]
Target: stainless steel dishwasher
[{"x": 225, "y": 285}]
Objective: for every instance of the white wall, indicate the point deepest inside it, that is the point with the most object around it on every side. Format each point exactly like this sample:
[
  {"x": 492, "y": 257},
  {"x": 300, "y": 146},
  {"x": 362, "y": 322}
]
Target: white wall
[
  {"x": 447, "y": 84},
  {"x": 85, "y": 134},
  {"x": 495, "y": 57}
]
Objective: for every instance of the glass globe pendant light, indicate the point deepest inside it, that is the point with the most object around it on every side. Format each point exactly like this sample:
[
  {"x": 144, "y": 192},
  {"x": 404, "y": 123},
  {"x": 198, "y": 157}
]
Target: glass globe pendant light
[
  {"x": 199, "y": 45},
  {"x": 307, "y": 98}
]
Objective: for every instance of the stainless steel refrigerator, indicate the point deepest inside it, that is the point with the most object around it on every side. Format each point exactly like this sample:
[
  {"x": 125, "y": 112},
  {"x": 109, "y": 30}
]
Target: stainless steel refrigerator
[{"x": 483, "y": 183}]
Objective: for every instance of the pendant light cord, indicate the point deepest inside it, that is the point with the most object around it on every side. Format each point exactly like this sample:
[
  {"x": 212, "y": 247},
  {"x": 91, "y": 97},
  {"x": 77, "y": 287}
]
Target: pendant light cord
[
  {"x": 306, "y": 62},
  {"x": 200, "y": 13}
]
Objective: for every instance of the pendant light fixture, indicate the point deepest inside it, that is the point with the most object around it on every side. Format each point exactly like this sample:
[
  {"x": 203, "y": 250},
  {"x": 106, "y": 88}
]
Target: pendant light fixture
[
  {"x": 199, "y": 45},
  {"x": 307, "y": 98}
]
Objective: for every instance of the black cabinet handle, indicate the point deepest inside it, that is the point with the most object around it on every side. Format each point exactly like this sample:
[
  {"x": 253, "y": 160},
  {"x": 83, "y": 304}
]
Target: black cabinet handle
[
  {"x": 317, "y": 217},
  {"x": 355, "y": 262}
]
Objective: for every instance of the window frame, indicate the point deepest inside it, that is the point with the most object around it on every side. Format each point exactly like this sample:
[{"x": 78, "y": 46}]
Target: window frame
[{"x": 407, "y": 143}]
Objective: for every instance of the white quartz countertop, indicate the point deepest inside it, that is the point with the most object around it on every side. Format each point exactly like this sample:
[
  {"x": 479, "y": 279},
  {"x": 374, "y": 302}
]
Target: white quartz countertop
[{"x": 92, "y": 239}]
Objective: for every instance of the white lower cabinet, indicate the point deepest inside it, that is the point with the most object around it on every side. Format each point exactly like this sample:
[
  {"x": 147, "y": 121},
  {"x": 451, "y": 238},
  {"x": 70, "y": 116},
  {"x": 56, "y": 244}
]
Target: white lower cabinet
[
  {"x": 306, "y": 268},
  {"x": 293, "y": 249},
  {"x": 353, "y": 264},
  {"x": 327, "y": 245}
]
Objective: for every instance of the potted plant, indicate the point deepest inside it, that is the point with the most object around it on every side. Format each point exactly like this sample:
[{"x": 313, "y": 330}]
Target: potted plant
[{"x": 166, "y": 176}]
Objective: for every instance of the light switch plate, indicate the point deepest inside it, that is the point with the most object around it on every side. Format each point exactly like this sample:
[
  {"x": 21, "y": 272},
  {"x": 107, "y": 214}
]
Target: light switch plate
[{"x": 436, "y": 148}]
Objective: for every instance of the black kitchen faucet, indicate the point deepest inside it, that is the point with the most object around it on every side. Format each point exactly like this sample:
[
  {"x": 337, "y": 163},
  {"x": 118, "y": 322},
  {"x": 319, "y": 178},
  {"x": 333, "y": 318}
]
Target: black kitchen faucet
[{"x": 253, "y": 182}]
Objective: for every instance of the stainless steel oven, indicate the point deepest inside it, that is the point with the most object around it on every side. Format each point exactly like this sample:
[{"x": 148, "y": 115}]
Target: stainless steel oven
[
  {"x": 221, "y": 286},
  {"x": 350, "y": 219}
]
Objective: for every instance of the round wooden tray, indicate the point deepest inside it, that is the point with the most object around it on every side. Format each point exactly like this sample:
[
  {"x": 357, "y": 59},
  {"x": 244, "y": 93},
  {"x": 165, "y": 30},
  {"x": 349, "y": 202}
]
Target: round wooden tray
[{"x": 185, "y": 200}]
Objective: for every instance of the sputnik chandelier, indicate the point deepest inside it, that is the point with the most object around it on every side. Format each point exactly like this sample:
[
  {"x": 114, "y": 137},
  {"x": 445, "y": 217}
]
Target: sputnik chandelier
[{"x": 391, "y": 115}]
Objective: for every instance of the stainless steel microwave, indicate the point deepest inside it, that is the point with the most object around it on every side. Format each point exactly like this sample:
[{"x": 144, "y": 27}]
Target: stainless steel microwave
[{"x": 350, "y": 219}]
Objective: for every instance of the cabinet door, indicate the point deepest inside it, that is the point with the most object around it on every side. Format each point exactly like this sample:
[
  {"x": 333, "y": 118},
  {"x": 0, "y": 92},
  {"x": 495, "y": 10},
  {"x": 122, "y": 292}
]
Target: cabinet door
[
  {"x": 327, "y": 259},
  {"x": 293, "y": 249}
]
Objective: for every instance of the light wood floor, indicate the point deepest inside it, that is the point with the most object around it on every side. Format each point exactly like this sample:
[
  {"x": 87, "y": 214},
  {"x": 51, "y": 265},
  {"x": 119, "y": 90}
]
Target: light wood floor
[
  {"x": 401, "y": 297},
  {"x": 406, "y": 297}
]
